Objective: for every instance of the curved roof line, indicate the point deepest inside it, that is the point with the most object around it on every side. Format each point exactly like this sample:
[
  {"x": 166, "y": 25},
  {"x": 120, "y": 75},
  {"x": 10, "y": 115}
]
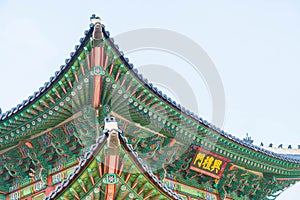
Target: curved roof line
[
  {"x": 85, "y": 161},
  {"x": 148, "y": 170},
  {"x": 53, "y": 79},
  {"x": 88, "y": 157},
  {"x": 179, "y": 107},
  {"x": 149, "y": 85}
]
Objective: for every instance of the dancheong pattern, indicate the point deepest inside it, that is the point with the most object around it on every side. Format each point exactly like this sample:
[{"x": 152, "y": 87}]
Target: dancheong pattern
[{"x": 98, "y": 130}]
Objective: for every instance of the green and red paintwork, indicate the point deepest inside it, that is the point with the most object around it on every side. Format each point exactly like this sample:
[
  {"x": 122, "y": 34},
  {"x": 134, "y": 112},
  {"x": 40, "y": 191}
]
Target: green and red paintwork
[{"x": 42, "y": 142}]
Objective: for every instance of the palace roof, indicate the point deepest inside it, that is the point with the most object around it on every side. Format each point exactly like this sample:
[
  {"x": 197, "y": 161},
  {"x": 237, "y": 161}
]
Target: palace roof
[
  {"x": 141, "y": 168},
  {"x": 57, "y": 125},
  {"x": 21, "y": 108}
]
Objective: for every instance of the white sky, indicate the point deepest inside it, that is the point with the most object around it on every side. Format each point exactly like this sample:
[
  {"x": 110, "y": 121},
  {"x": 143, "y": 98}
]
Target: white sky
[{"x": 254, "y": 44}]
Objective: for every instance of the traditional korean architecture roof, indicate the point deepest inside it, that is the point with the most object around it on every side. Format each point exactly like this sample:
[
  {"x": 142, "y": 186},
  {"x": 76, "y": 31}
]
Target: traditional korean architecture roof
[
  {"x": 133, "y": 174},
  {"x": 74, "y": 55},
  {"x": 57, "y": 124}
]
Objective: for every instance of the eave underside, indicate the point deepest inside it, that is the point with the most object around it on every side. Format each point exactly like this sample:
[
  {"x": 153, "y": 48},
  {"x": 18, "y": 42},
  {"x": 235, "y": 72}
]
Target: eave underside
[
  {"x": 153, "y": 125},
  {"x": 131, "y": 178}
]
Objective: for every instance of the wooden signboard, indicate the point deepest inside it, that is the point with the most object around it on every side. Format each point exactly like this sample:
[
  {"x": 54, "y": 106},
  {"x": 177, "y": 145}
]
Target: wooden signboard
[{"x": 208, "y": 163}]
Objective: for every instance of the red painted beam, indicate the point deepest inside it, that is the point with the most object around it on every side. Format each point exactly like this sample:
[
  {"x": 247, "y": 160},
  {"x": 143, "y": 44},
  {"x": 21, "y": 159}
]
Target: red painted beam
[{"x": 97, "y": 77}]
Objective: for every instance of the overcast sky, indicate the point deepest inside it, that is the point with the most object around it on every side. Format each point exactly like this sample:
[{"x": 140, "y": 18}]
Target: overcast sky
[{"x": 254, "y": 45}]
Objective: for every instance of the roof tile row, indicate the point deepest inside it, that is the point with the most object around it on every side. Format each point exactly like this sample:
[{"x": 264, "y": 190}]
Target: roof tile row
[{"x": 130, "y": 66}]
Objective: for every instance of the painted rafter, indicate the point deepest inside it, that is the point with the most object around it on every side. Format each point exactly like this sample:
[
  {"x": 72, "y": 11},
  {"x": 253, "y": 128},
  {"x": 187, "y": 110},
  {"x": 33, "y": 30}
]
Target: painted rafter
[
  {"x": 35, "y": 114},
  {"x": 61, "y": 144},
  {"x": 168, "y": 111},
  {"x": 120, "y": 89},
  {"x": 132, "y": 177}
]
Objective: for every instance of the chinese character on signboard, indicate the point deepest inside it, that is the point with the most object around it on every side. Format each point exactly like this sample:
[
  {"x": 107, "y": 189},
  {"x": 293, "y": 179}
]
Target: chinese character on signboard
[{"x": 208, "y": 163}]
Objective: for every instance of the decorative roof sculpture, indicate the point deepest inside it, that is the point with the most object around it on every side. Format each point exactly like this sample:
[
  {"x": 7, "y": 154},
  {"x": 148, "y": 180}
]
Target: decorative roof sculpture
[
  {"x": 133, "y": 178},
  {"x": 52, "y": 136}
]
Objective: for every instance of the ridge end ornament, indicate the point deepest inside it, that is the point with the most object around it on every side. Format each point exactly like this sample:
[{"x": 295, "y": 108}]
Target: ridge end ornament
[{"x": 112, "y": 131}]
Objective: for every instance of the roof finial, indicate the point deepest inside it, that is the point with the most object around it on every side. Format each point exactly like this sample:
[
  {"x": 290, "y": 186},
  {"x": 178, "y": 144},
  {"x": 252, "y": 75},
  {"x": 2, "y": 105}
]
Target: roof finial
[
  {"x": 270, "y": 145},
  {"x": 110, "y": 123},
  {"x": 95, "y": 19},
  {"x": 97, "y": 34},
  {"x": 248, "y": 139},
  {"x": 112, "y": 131}
]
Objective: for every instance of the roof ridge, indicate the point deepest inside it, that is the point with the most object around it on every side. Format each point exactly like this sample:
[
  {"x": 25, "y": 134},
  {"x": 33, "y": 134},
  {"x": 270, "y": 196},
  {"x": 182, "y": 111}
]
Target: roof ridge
[
  {"x": 190, "y": 114},
  {"x": 52, "y": 79},
  {"x": 88, "y": 158},
  {"x": 149, "y": 85}
]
